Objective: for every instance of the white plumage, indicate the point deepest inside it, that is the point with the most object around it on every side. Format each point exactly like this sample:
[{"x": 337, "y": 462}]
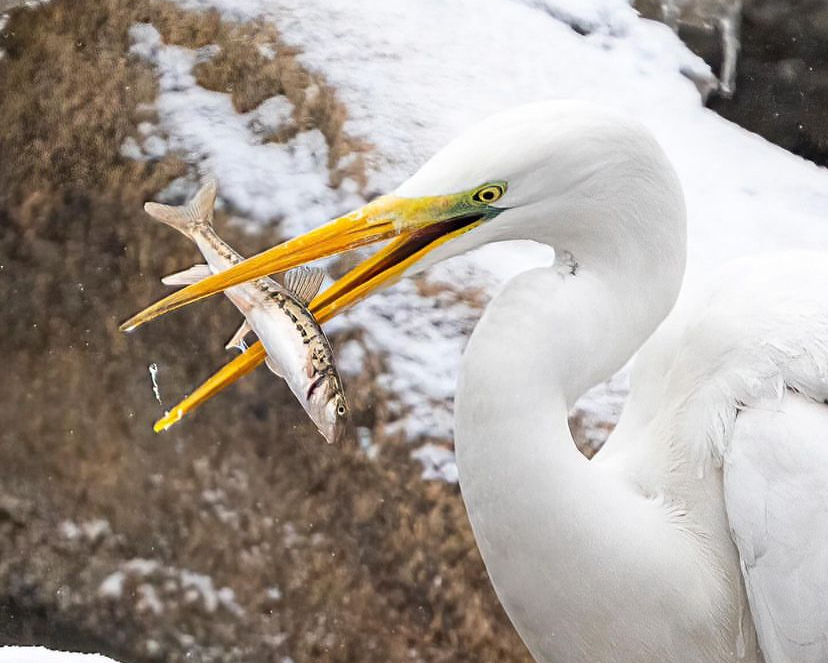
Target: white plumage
[
  {"x": 703, "y": 522},
  {"x": 776, "y": 503},
  {"x": 743, "y": 365},
  {"x": 699, "y": 533}
]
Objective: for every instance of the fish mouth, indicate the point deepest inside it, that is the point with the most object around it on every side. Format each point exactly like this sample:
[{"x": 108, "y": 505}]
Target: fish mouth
[
  {"x": 324, "y": 397},
  {"x": 414, "y": 226},
  {"x": 335, "y": 431}
]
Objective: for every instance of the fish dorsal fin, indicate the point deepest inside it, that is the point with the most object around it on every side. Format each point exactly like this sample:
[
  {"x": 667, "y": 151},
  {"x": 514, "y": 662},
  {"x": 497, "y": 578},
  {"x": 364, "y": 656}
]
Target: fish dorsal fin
[
  {"x": 199, "y": 211},
  {"x": 186, "y": 277},
  {"x": 237, "y": 340},
  {"x": 304, "y": 282},
  {"x": 202, "y": 206}
]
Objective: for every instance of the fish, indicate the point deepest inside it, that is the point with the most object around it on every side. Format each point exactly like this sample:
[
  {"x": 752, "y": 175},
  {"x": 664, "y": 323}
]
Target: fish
[{"x": 297, "y": 349}]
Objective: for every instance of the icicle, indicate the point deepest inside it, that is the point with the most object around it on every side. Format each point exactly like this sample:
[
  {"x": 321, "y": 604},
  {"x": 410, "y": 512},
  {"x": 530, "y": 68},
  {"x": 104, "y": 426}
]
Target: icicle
[{"x": 729, "y": 26}]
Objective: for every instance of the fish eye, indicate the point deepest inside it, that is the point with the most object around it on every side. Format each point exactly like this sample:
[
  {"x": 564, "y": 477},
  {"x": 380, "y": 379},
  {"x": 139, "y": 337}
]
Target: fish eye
[{"x": 489, "y": 193}]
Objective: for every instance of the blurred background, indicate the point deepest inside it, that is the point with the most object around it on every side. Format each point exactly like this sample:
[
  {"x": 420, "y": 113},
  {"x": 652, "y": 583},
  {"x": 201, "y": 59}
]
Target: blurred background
[{"x": 239, "y": 534}]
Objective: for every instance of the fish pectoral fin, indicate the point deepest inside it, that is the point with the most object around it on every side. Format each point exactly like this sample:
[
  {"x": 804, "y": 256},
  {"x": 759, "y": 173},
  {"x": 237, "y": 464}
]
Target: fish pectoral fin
[
  {"x": 186, "y": 277},
  {"x": 274, "y": 367},
  {"x": 304, "y": 282},
  {"x": 237, "y": 340}
]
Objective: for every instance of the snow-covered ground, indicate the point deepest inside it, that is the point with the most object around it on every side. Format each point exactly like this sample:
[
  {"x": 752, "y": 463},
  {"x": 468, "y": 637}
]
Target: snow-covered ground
[
  {"x": 261, "y": 180},
  {"x": 412, "y": 75},
  {"x": 43, "y": 655}
]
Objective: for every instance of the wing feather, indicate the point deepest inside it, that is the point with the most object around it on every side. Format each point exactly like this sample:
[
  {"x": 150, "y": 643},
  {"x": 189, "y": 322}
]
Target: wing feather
[{"x": 776, "y": 496}]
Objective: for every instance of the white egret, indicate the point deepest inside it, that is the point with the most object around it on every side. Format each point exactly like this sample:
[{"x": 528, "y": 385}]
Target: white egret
[{"x": 699, "y": 533}]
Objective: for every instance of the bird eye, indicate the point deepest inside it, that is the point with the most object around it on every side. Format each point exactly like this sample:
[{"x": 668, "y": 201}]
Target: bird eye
[
  {"x": 488, "y": 194},
  {"x": 340, "y": 410}
]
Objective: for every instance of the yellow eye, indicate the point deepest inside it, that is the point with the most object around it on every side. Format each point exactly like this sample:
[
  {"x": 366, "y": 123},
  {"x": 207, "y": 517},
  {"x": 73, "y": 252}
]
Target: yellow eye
[{"x": 489, "y": 193}]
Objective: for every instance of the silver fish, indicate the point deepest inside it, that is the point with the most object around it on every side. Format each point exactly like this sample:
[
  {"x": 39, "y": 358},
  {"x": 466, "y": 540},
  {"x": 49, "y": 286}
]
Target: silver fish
[{"x": 297, "y": 349}]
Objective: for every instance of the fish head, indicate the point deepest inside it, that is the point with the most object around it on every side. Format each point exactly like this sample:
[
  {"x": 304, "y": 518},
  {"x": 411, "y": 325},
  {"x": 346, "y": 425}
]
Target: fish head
[{"x": 329, "y": 410}]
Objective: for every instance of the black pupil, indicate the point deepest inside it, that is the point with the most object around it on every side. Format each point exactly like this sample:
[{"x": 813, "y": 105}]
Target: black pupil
[{"x": 488, "y": 195}]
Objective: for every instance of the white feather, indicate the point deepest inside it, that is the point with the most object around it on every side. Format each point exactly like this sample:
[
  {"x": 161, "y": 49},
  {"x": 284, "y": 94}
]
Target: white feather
[{"x": 777, "y": 503}]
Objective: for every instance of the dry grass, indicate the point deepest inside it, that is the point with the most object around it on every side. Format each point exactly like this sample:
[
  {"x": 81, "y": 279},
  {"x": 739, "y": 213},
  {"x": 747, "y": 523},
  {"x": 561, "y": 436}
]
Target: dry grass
[
  {"x": 374, "y": 564},
  {"x": 250, "y": 77}
]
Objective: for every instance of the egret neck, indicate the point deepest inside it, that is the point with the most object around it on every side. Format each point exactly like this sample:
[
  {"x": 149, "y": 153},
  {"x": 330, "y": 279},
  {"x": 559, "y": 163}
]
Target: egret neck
[{"x": 539, "y": 509}]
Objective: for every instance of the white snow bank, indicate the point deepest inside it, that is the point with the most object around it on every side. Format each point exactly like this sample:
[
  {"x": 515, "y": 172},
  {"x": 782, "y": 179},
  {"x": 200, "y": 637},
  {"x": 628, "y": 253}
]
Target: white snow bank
[
  {"x": 612, "y": 16},
  {"x": 43, "y": 655},
  {"x": 413, "y": 74},
  {"x": 263, "y": 180}
]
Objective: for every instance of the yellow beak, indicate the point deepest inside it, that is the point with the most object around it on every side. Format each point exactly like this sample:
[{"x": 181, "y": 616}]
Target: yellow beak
[
  {"x": 418, "y": 225},
  {"x": 422, "y": 221}
]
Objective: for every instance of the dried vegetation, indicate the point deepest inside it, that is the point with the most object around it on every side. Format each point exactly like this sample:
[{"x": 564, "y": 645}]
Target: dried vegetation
[{"x": 372, "y": 564}]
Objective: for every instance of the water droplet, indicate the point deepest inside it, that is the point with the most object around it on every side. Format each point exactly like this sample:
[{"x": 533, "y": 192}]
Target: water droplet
[{"x": 153, "y": 370}]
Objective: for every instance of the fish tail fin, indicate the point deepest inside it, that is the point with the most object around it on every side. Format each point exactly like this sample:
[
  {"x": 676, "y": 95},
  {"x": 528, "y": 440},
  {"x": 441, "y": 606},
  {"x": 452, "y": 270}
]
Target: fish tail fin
[{"x": 186, "y": 218}]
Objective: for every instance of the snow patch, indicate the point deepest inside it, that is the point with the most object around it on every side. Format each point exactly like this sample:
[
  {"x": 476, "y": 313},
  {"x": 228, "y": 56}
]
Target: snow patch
[
  {"x": 131, "y": 150},
  {"x": 267, "y": 51},
  {"x": 263, "y": 180},
  {"x": 600, "y": 407},
  {"x": 612, "y": 16},
  {"x": 350, "y": 357},
  {"x": 438, "y": 463},
  {"x": 148, "y": 600},
  {"x": 366, "y": 442},
  {"x": 154, "y": 583},
  {"x": 4, "y": 20},
  {"x": 141, "y": 567},
  {"x": 112, "y": 586},
  {"x": 43, "y": 655},
  {"x": 91, "y": 531},
  {"x": 271, "y": 115}
]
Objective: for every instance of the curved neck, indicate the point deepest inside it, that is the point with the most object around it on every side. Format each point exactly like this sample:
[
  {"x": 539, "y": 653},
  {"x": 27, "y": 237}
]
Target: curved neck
[
  {"x": 538, "y": 508},
  {"x": 550, "y": 335},
  {"x": 567, "y": 542}
]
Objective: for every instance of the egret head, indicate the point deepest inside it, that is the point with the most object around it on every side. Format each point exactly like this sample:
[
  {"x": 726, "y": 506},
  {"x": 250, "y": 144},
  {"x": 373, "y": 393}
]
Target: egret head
[
  {"x": 565, "y": 173},
  {"x": 569, "y": 174}
]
